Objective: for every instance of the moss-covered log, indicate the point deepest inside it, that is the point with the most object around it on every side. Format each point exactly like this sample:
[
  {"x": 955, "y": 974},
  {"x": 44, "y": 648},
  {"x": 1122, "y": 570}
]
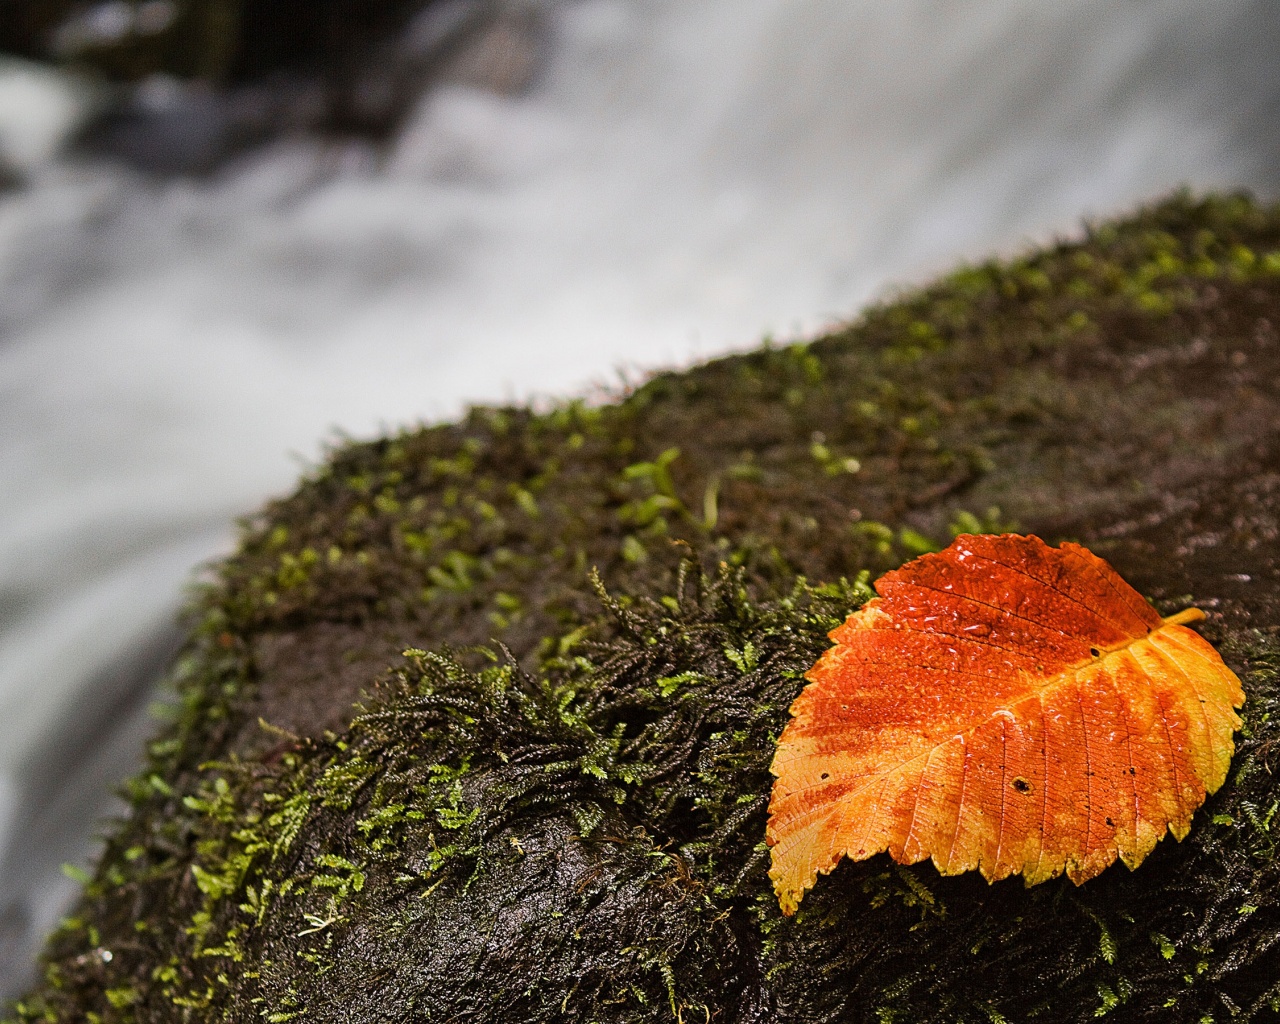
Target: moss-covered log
[{"x": 425, "y": 769}]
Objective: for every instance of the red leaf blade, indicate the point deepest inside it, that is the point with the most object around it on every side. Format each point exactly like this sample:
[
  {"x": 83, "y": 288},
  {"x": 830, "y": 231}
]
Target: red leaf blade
[{"x": 1002, "y": 706}]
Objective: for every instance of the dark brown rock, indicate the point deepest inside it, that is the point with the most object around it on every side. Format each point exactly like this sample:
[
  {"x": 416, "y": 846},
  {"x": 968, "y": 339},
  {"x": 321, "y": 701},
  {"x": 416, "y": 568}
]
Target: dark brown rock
[{"x": 569, "y": 826}]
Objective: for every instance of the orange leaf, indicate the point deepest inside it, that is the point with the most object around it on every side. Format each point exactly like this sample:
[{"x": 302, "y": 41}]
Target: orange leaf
[{"x": 1006, "y": 706}]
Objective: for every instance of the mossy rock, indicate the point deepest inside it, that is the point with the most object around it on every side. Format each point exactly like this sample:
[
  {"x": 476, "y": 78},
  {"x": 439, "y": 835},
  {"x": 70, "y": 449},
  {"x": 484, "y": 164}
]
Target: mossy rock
[{"x": 430, "y": 766}]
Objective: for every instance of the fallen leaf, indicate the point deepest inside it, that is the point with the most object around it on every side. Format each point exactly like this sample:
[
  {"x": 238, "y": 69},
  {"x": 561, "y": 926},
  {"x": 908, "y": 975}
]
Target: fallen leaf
[{"x": 1006, "y": 706}]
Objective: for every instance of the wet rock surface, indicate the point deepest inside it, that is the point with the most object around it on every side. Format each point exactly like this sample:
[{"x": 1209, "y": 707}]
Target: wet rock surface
[
  {"x": 566, "y": 822},
  {"x": 197, "y": 83}
]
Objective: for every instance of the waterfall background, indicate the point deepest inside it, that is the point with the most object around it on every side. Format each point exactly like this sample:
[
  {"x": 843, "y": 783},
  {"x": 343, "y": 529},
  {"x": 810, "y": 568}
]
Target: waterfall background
[{"x": 677, "y": 179}]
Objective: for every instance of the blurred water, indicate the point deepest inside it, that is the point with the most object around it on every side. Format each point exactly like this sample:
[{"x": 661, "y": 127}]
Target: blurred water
[{"x": 683, "y": 177}]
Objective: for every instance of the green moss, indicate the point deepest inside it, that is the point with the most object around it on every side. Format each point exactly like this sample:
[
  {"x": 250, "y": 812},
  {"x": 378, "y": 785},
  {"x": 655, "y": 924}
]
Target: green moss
[
  {"x": 568, "y": 826},
  {"x": 626, "y": 786}
]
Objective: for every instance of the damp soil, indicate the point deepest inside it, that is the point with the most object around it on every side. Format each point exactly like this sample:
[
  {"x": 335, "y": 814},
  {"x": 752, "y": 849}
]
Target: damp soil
[{"x": 476, "y": 724}]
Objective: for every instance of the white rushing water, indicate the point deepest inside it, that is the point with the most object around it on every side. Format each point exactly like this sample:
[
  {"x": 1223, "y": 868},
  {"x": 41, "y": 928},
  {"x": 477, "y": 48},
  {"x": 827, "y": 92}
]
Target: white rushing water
[{"x": 682, "y": 177}]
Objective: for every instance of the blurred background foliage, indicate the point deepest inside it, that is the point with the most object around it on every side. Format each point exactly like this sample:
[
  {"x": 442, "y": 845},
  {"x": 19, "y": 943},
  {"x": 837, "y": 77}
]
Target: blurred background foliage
[
  {"x": 218, "y": 40},
  {"x": 183, "y": 84}
]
